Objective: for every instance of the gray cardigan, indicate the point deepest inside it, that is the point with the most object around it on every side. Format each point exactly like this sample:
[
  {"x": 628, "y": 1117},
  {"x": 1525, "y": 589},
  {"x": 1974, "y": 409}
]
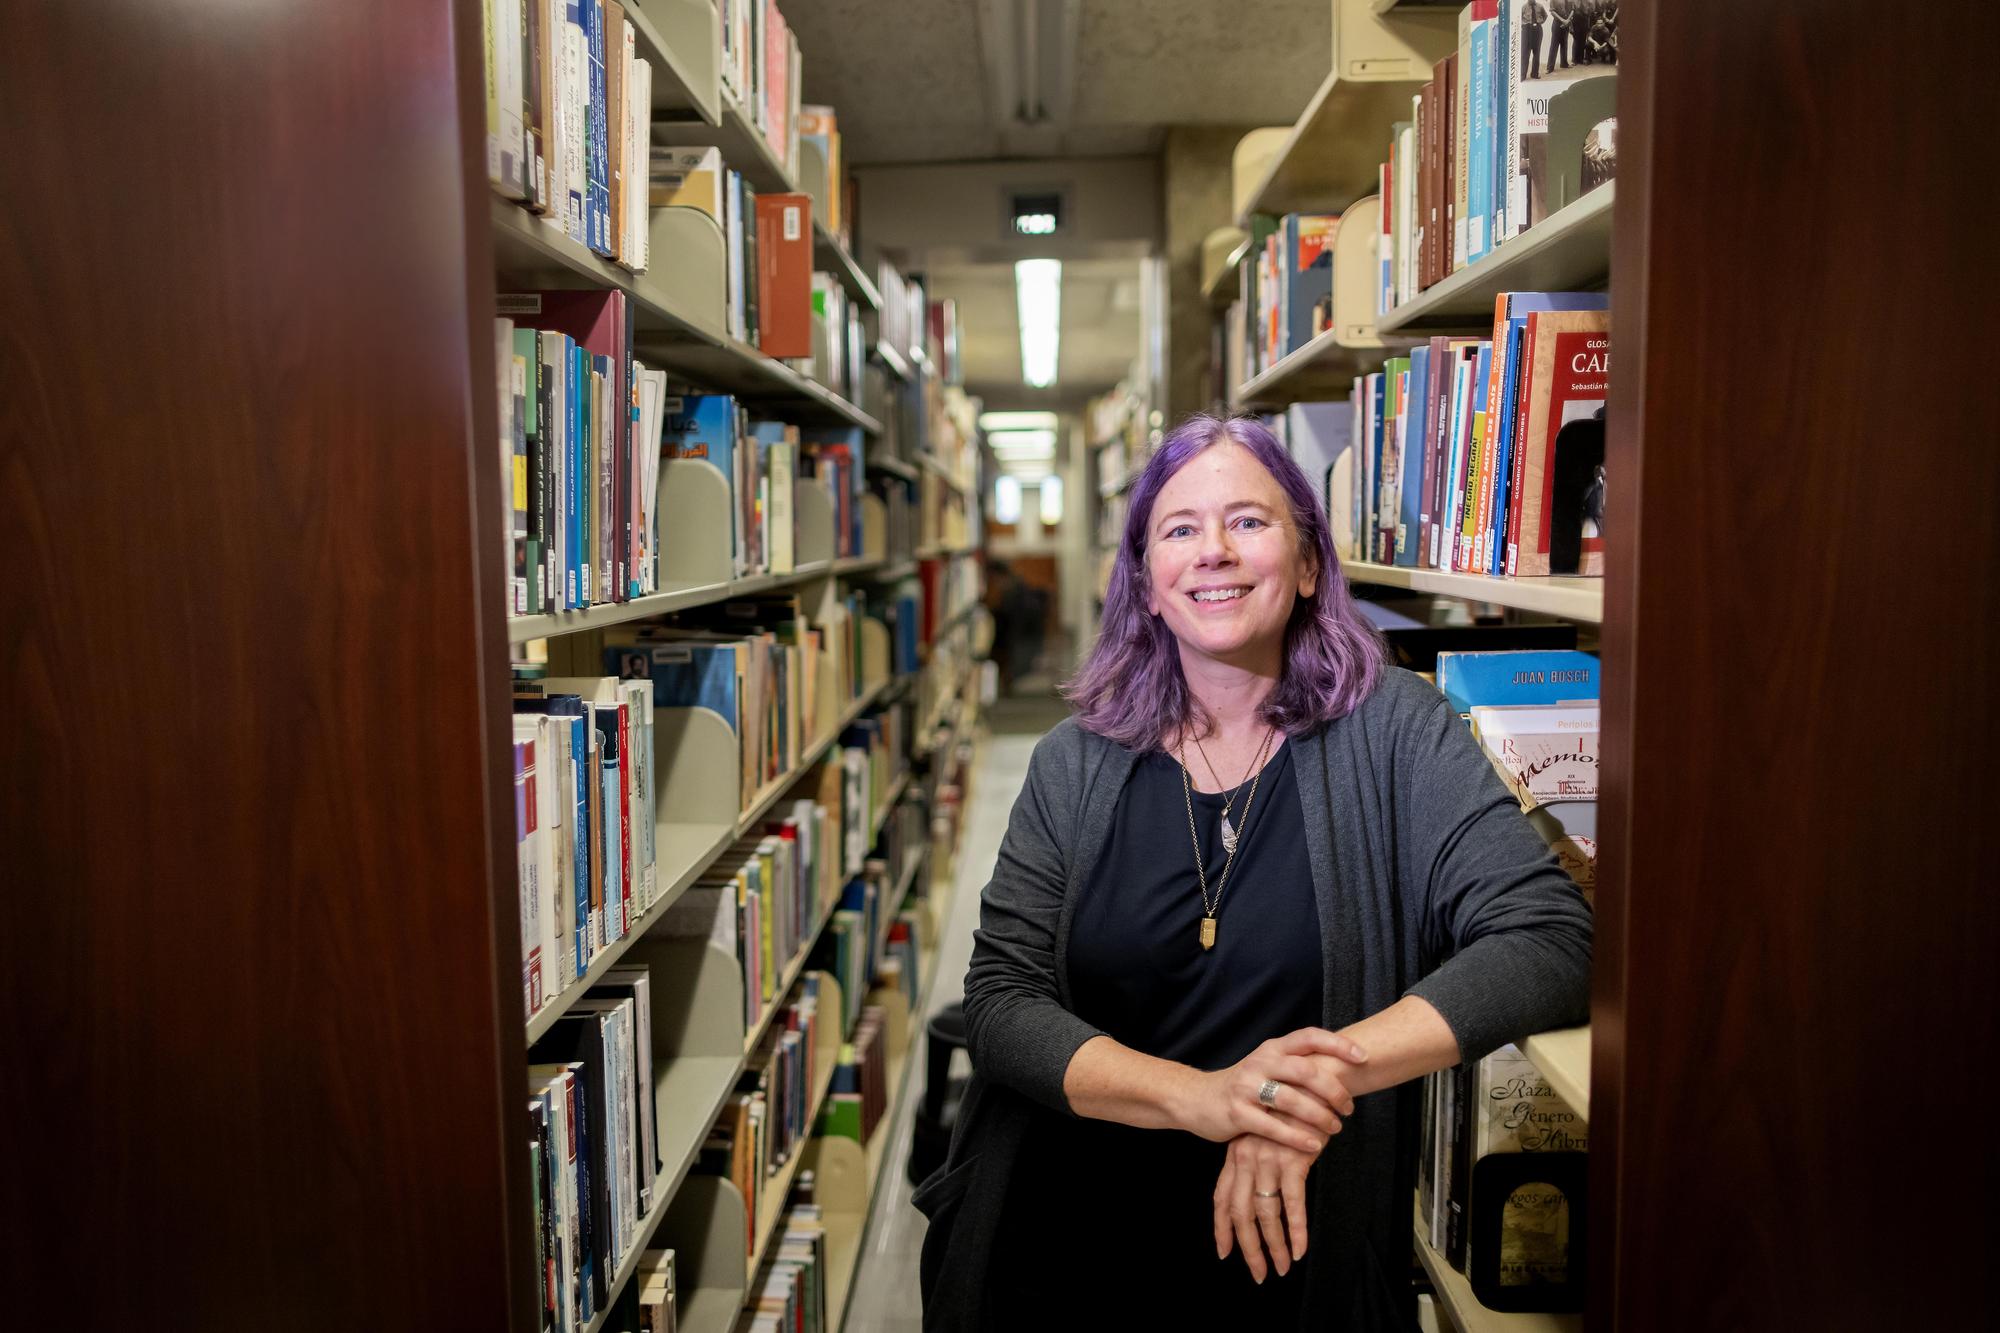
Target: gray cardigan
[{"x": 1429, "y": 882}]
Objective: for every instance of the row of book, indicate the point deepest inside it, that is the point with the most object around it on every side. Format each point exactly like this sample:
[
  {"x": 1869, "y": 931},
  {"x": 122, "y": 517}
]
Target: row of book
[
  {"x": 582, "y": 425},
  {"x": 1513, "y": 1225},
  {"x": 756, "y": 662},
  {"x": 584, "y": 800},
  {"x": 761, "y": 901},
  {"x": 657, "y": 1293},
  {"x": 1285, "y": 286},
  {"x": 1514, "y": 124},
  {"x": 760, "y": 461},
  {"x": 595, "y": 1144},
  {"x": 767, "y": 1117},
  {"x": 1486, "y": 456},
  {"x": 569, "y": 117},
  {"x": 761, "y": 73},
  {"x": 793, "y": 1296}
]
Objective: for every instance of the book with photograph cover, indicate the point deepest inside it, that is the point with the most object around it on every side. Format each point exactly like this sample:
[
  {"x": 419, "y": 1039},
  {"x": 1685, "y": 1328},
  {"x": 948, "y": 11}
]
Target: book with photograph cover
[{"x": 1553, "y": 43}]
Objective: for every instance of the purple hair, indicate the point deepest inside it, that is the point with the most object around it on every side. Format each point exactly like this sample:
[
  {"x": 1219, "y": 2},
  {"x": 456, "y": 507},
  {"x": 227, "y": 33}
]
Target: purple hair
[{"x": 1131, "y": 689}]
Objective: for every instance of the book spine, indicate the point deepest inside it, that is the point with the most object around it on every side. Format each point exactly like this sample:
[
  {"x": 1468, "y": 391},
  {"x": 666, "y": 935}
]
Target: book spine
[
  {"x": 576, "y": 123},
  {"x": 628, "y": 771}
]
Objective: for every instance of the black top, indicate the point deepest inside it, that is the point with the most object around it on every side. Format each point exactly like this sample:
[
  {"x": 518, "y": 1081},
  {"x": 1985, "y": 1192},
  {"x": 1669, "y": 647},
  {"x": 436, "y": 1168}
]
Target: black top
[{"x": 1125, "y": 1214}]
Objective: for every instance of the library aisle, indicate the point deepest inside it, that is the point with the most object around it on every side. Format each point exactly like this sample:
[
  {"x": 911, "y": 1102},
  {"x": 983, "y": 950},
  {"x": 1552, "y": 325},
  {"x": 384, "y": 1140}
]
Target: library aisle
[
  {"x": 544, "y": 534},
  {"x": 886, "y": 1295}
]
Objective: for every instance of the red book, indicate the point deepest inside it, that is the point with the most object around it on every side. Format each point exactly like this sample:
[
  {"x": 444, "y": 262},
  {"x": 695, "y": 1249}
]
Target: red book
[
  {"x": 784, "y": 275},
  {"x": 1562, "y": 478}
]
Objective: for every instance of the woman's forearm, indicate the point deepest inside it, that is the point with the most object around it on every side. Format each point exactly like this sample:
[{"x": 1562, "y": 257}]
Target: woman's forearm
[
  {"x": 1108, "y": 1081},
  {"x": 1407, "y": 1040}
]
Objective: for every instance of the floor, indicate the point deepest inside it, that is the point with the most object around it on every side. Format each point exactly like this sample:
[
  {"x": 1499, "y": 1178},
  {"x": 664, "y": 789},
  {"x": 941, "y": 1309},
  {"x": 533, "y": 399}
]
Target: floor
[{"x": 886, "y": 1298}]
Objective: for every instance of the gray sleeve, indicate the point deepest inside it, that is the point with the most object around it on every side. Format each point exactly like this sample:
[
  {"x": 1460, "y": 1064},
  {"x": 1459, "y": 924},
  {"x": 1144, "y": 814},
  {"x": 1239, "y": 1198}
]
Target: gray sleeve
[
  {"x": 1512, "y": 927},
  {"x": 1017, "y": 1031}
]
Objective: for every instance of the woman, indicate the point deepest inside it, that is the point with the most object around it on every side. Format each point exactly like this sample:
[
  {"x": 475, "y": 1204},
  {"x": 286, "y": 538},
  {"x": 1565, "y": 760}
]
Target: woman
[{"x": 1258, "y": 881}]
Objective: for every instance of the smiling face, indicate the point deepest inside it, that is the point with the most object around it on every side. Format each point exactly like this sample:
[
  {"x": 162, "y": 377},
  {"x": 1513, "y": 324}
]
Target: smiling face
[{"x": 1223, "y": 559}]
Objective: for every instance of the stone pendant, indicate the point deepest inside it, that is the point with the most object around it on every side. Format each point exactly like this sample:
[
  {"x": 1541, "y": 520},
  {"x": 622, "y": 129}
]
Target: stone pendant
[
  {"x": 1228, "y": 835},
  {"x": 1208, "y": 932}
]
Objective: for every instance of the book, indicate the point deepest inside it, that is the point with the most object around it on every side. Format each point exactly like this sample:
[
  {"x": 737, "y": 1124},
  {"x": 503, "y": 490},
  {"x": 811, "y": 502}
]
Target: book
[
  {"x": 784, "y": 251},
  {"x": 687, "y": 178},
  {"x": 1555, "y": 43},
  {"x": 1520, "y": 676},
  {"x": 1561, "y": 524},
  {"x": 1307, "y": 277},
  {"x": 705, "y": 429}
]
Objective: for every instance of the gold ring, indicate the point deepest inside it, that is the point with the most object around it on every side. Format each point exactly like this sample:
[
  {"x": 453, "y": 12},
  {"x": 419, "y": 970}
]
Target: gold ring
[{"x": 1271, "y": 1194}]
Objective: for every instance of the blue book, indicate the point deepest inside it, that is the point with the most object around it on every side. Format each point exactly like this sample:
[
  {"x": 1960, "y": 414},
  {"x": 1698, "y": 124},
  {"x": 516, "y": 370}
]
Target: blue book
[
  {"x": 1492, "y": 540},
  {"x": 1524, "y": 676},
  {"x": 1371, "y": 540},
  {"x": 1479, "y": 150},
  {"x": 684, "y": 675},
  {"x": 1415, "y": 430},
  {"x": 702, "y": 427},
  {"x": 597, "y": 148}
]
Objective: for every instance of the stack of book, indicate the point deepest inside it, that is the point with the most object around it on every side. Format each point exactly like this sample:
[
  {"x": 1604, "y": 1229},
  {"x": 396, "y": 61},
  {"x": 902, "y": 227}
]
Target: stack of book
[
  {"x": 1487, "y": 456},
  {"x": 580, "y": 429},
  {"x": 568, "y": 120},
  {"x": 659, "y": 1303},
  {"x": 595, "y": 1143},
  {"x": 761, "y": 73},
  {"x": 585, "y": 802},
  {"x": 1536, "y": 716},
  {"x": 793, "y": 1297},
  {"x": 836, "y": 457},
  {"x": 820, "y": 127},
  {"x": 901, "y": 967},
  {"x": 905, "y": 311},
  {"x": 860, "y": 1095},
  {"x": 1516, "y": 123}
]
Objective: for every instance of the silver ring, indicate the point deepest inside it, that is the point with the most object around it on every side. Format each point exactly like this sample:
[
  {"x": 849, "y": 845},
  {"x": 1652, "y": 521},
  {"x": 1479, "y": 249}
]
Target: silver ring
[{"x": 1268, "y": 1095}]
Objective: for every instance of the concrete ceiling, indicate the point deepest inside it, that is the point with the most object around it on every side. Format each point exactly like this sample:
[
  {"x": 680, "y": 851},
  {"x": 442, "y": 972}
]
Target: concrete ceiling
[
  {"x": 921, "y": 81},
  {"x": 911, "y": 80},
  {"x": 1100, "y": 330}
]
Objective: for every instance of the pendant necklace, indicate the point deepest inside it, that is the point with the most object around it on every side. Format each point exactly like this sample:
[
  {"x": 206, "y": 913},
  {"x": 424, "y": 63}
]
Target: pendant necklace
[
  {"x": 1228, "y": 829},
  {"x": 1229, "y": 844}
]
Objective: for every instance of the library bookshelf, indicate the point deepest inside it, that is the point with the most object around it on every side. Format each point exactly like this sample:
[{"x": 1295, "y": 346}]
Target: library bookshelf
[{"x": 1741, "y": 938}]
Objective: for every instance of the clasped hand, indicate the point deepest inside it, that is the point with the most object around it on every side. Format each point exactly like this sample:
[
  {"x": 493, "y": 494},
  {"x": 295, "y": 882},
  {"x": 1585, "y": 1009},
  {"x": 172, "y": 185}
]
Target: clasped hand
[{"x": 1260, "y": 1197}]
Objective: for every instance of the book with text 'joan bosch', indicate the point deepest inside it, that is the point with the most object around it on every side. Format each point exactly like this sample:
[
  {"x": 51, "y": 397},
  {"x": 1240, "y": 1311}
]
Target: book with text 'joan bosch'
[{"x": 1520, "y": 676}]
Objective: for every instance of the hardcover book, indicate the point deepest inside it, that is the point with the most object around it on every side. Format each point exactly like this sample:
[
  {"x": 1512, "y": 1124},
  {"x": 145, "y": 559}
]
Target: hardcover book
[{"x": 1562, "y": 466}]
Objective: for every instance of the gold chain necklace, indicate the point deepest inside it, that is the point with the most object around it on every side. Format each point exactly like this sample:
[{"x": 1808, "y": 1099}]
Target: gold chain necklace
[
  {"x": 1228, "y": 830},
  {"x": 1229, "y": 860}
]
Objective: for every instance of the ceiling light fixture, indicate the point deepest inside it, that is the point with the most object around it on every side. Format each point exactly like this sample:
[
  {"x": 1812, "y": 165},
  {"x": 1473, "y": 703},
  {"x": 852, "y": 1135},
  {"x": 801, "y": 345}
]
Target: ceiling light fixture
[
  {"x": 992, "y": 421},
  {"x": 1038, "y": 301},
  {"x": 1022, "y": 444}
]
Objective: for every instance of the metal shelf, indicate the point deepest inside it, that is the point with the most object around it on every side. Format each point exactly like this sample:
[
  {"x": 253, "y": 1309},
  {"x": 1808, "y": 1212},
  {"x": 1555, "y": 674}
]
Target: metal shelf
[
  {"x": 1468, "y": 1315},
  {"x": 1570, "y": 250},
  {"x": 1572, "y": 598},
  {"x": 830, "y": 256},
  {"x": 1333, "y": 154},
  {"x": 1323, "y": 369},
  {"x": 530, "y": 253},
  {"x": 553, "y": 624}
]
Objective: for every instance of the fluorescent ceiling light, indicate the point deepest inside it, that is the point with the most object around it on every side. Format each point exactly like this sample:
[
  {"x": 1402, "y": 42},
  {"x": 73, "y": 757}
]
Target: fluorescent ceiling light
[
  {"x": 1052, "y": 501},
  {"x": 1017, "y": 421},
  {"x": 1038, "y": 298},
  {"x": 1022, "y": 443},
  {"x": 1006, "y": 499},
  {"x": 1035, "y": 224}
]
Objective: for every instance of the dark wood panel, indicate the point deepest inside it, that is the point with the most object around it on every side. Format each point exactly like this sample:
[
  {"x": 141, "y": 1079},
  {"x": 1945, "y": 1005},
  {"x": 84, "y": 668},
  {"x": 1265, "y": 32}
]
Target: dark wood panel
[
  {"x": 258, "y": 830},
  {"x": 1795, "y": 991}
]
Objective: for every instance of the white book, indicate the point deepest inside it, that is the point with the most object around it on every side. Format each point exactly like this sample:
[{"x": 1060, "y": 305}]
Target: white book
[
  {"x": 646, "y": 804},
  {"x": 780, "y": 522},
  {"x": 635, "y": 142},
  {"x": 1542, "y": 752},
  {"x": 561, "y": 833},
  {"x": 556, "y": 1082},
  {"x": 549, "y": 910},
  {"x": 576, "y": 122},
  {"x": 508, "y": 41}
]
